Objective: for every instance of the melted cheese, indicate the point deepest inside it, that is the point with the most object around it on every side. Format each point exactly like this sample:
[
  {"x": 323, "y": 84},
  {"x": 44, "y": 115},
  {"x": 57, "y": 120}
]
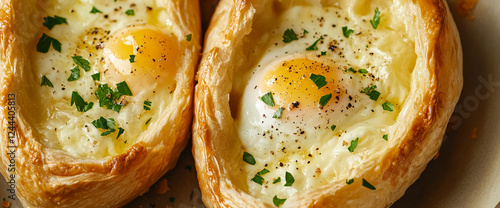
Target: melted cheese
[
  {"x": 106, "y": 40},
  {"x": 302, "y": 142}
]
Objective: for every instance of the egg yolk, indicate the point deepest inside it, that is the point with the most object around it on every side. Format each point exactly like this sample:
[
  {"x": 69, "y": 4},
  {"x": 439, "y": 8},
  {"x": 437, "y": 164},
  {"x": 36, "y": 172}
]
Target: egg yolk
[
  {"x": 291, "y": 84},
  {"x": 142, "y": 56}
]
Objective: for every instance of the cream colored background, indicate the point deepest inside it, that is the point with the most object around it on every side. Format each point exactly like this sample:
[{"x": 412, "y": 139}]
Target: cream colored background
[{"x": 467, "y": 171}]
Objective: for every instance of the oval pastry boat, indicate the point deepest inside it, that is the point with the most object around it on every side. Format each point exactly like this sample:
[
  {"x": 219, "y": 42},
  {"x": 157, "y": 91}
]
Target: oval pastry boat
[
  {"x": 96, "y": 97},
  {"x": 322, "y": 103}
]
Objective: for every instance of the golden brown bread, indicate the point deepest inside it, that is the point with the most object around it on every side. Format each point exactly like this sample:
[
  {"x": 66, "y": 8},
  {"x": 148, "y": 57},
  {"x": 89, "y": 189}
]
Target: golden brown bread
[
  {"x": 48, "y": 177},
  {"x": 436, "y": 86}
]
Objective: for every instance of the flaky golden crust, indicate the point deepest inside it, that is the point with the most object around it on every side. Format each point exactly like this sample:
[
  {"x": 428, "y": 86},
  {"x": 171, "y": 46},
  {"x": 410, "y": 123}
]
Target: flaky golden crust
[
  {"x": 48, "y": 177},
  {"x": 435, "y": 89}
]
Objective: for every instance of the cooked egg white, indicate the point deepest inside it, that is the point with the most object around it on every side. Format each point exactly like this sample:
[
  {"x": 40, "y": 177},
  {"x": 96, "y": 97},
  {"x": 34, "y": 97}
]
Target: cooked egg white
[
  {"x": 108, "y": 39},
  {"x": 302, "y": 141}
]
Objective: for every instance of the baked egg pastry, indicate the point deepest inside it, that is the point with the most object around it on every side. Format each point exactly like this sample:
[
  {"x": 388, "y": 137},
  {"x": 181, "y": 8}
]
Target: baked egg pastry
[
  {"x": 322, "y": 103},
  {"x": 96, "y": 96}
]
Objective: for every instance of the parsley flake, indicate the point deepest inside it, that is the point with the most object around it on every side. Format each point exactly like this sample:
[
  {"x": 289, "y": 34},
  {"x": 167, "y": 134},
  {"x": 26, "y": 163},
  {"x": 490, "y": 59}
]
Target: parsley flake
[
  {"x": 371, "y": 92},
  {"x": 107, "y": 97},
  {"x": 289, "y": 179},
  {"x": 333, "y": 127},
  {"x": 123, "y": 88},
  {"x": 323, "y": 53},
  {"x": 149, "y": 120},
  {"x": 80, "y": 104},
  {"x": 75, "y": 74},
  {"x": 120, "y": 132},
  {"x": 325, "y": 99},
  {"x": 130, "y": 12},
  {"x": 319, "y": 80},
  {"x": 96, "y": 76},
  {"x": 346, "y": 31},
  {"x": 94, "y": 10},
  {"x": 376, "y": 19},
  {"x": 263, "y": 171},
  {"x": 351, "y": 70},
  {"x": 189, "y": 37},
  {"x": 44, "y": 44},
  {"x": 147, "y": 105},
  {"x": 247, "y": 157},
  {"x": 277, "y": 201},
  {"x": 313, "y": 47},
  {"x": 279, "y": 113},
  {"x": 277, "y": 180},
  {"x": 132, "y": 59},
  {"x": 363, "y": 71},
  {"x": 354, "y": 144},
  {"x": 349, "y": 181},
  {"x": 268, "y": 99},
  {"x": 388, "y": 106},
  {"x": 385, "y": 137},
  {"x": 289, "y": 36},
  {"x": 50, "y": 22},
  {"x": 368, "y": 185},
  {"x": 81, "y": 62},
  {"x": 46, "y": 81},
  {"x": 258, "y": 179}
]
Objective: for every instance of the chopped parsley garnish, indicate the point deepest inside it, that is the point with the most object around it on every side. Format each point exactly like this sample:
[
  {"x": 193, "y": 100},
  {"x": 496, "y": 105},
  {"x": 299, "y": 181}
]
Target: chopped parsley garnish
[
  {"x": 258, "y": 179},
  {"x": 363, "y": 71},
  {"x": 50, "y": 22},
  {"x": 44, "y": 44},
  {"x": 75, "y": 74},
  {"x": 376, "y": 19},
  {"x": 189, "y": 37},
  {"x": 289, "y": 179},
  {"x": 247, "y": 157},
  {"x": 147, "y": 105},
  {"x": 94, "y": 10},
  {"x": 96, "y": 76},
  {"x": 368, "y": 185},
  {"x": 324, "y": 100},
  {"x": 277, "y": 180},
  {"x": 323, "y": 53},
  {"x": 107, "y": 97},
  {"x": 46, "y": 81},
  {"x": 305, "y": 32},
  {"x": 132, "y": 59},
  {"x": 130, "y": 12},
  {"x": 346, "y": 31},
  {"x": 277, "y": 201},
  {"x": 370, "y": 91},
  {"x": 319, "y": 80},
  {"x": 80, "y": 104},
  {"x": 349, "y": 181},
  {"x": 107, "y": 124},
  {"x": 120, "y": 132},
  {"x": 351, "y": 70},
  {"x": 289, "y": 36},
  {"x": 279, "y": 113},
  {"x": 388, "y": 106},
  {"x": 333, "y": 127},
  {"x": 263, "y": 171},
  {"x": 268, "y": 99},
  {"x": 313, "y": 47},
  {"x": 149, "y": 120},
  {"x": 123, "y": 88},
  {"x": 81, "y": 62},
  {"x": 385, "y": 137},
  {"x": 354, "y": 144}
]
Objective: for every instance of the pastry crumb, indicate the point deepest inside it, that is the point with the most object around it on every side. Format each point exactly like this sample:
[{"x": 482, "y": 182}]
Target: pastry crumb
[
  {"x": 162, "y": 187},
  {"x": 5, "y": 204},
  {"x": 473, "y": 135}
]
